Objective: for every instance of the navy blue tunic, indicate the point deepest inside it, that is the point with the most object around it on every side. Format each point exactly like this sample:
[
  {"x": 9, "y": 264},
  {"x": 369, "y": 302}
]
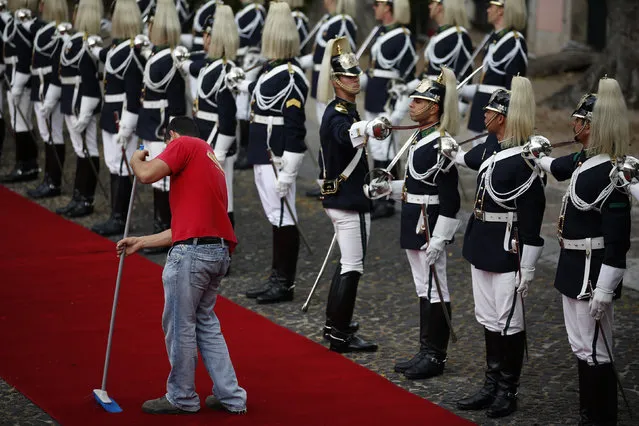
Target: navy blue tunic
[
  {"x": 274, "y": 80},
  {"x": 199, "y": 22},
  {"x": 503, "y": 61},
  {"x": 335, "y": 26},
  {"x": 484, "y": 241},
  {"x": 393, "y": 44},
  {"x": 76, "y": 61},
  {"x": 337, "y": 153},
  {"x": 18, "y": 44},
  {"x": 610, "y": 219},
  {"x": 440, "y": 51},
  {"x": 47, "y": 46},
  {"x": 250, "y": 22}
]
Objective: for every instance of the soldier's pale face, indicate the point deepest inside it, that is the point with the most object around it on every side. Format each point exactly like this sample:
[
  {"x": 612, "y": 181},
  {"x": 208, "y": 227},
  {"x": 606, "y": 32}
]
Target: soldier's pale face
[
  {"x": 420, "y": 110},
  {"x": 581, "y": 129},
  {"x": 434, "y": 8},
  {"x": 493, "y": 13},
  {"x": 206, "y": 41},
  {"x": 330, "y": 5},
  {"x": 380, "y": 9},
  {"x": 350, "y": 83},
  {"x": 492, "y": 121}
]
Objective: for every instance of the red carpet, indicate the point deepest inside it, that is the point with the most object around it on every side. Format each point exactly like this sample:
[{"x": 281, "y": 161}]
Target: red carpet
[{"x": 56, "y": 290}]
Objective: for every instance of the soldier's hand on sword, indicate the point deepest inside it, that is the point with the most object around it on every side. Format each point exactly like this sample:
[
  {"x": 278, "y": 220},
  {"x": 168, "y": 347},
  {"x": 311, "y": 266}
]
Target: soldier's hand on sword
[
  {"x": 601, "y": 299},
  {"x": 434, "y": 249},
  {"x": 527, "y": 275}
]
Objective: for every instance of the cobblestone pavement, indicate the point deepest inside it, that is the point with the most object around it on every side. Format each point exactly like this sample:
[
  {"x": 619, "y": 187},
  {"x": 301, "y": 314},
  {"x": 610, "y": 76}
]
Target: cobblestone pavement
[{"x": 387, "y": 307}]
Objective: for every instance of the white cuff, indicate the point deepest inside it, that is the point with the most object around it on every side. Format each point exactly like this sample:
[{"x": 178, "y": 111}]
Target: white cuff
[
  {"x": 460, "y": 158},
  {"x": 468, "y": 92},
  {"x": 20, "y": 80},
  {"x": 446, "y": 227},
  {"x": 186, "y": 40},
  {"x": 530, "y": 255},
  {"x": 545, "y": 162},
  {"x": 363, "y": 81},
  {"x": 357, "y": 133},
  {"x": 609, "y": 278},
  {"x": 243, "y": 86},
  {"x": 397, "y": 188},
  {"x": 292, "y": 161},
  {"x": 634, "y": 190},
  {"x": 306, "y": 61},
  {"x": 223, "y": 144}
]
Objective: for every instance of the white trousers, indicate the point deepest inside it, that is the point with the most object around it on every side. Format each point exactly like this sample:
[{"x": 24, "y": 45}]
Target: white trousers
[
  {"x": 228, "y": 176},
  {"x": 383, "y": 150},
  {"x": 20, "y": 120},
  {"x": 113, "y": 153},
  {"x": 56, "y": 121},
  {"x": 352, "y": 230},
  {"x": 583, "y": 334},
  {"x": 497, "y": 303},
  {"x": 320, "y": 108},
  {"x": 274, "y": 207},
  {"x": 424, "y": 281},
  {"x": 90, "y": 137},
  {"x": 155, "y": 148}
]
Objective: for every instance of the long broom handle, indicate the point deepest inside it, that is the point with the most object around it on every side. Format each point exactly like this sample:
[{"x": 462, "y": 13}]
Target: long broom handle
[{"x": 117, "y": 287}]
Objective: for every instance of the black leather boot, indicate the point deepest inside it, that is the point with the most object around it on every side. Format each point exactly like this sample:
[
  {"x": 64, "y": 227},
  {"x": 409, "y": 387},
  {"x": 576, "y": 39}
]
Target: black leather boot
[
  {"x": 121, "y": 187},
  {"x": 287, "y": 244},
  {"x": 161, "y": 218},
  {"x": 341, "y": 338},
  {"x": 505, "y": 402},
  {"x": 604, "y": 394},
  {"x": 86, "y": 186},
  {"x": 424, "y": 316},
  {"x": 434, "y": 361},
  {"x": 263, "y": 287},
  {"x": 586, "y": 403},
  {"x": 50, "y": 185},
  {"x": 486, "y": 395},
  {"x": 80, "y": 171},
  {"x": 331, "y": 304},
  {"x": 241, "y": 163},
  {"x": 26, "y": 167}
]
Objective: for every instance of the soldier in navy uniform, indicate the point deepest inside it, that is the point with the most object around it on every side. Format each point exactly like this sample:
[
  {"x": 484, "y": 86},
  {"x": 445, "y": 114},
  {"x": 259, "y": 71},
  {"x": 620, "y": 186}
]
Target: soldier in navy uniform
[
  {"x": 277, "y": 133},
  {"x": 123, "y": 71},
  {"x": 5, "y": 17},
  {"x": 503, "y": 242},
  {"x": 214, "y": 106},
  {"x": 18, "y": 43},
  {"x": 195, "y": 41},
  {"x": 594, "y": 235},
  {"x": 393, "y": 60},
  {"x": 506, "y": 56},
  {"x": 344, "y": 168},
  {"x": 147, "y": 10},
  {"x": 47, "y": 46},
  {"x": 80, "y": 100},
  {"x": 163, "y": 97},
  {"x": 184, "y": 15},
  {"x": 430, "y": 206},
  {"x": 301, "y": 20},
  {"x": 250, "y": 24},
  {"x": 451, "y": 46}
]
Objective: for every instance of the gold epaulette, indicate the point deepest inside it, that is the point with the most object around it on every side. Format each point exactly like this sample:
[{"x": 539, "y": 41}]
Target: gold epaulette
[{"x": 340, "y": 107}]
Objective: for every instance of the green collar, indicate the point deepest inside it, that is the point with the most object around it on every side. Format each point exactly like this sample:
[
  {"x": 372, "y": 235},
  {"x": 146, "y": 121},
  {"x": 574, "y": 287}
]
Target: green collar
[
  {"x": 443, "y": 28},
  {"x": 427, "y": 131}
]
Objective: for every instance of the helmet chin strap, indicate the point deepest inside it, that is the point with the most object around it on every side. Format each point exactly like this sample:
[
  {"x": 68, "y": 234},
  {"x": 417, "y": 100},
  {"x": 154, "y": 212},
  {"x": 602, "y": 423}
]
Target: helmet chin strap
[
  {"x": 424, "y": 110},
  {"x": 580, "y": 130},
  {"x": 348, "y": 89},
  {"x": 492, "y": 119}
]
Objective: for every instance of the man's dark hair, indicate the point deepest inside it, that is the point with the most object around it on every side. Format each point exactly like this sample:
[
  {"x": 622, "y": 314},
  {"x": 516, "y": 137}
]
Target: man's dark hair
[{"x": 184, "y": 126}]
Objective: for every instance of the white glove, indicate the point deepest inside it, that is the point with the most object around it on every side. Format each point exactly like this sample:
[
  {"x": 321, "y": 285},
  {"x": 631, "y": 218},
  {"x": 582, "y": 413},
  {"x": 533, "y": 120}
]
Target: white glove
[
  {"x": 87, "y": 110},
  {"x": 529, "y": 257},
  {"x": 608, "y": 280},
  {"x": 357, "y": 133},
  {"x": 398, "y": 90},
  {"x": 51, "y": 99},
  {"x": 234, "y": 77},
  {"x": 290, "y": 163},
  {"x": 306, "y": 61},
  {"x": 128, "y": 124},
  {"x": 467, "y": 92},
  {"x": 434, "y": 249},
  {"x": 544, "y": 162},
  {"x": 222, "y": 146},
  {"x": 363, "y": 81},
  {"x": 186, "y": 40},
  {"x": 18, "y": 84},
  {"x": 527, "y": 275}
]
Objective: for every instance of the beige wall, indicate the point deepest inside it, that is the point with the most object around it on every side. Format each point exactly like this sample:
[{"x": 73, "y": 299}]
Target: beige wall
[{"x": 549, "y": 25}]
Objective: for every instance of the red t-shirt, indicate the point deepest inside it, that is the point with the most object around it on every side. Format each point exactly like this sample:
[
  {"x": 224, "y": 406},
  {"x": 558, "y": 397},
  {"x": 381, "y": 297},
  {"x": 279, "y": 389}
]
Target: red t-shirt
[{"x": 198, "y": 195}]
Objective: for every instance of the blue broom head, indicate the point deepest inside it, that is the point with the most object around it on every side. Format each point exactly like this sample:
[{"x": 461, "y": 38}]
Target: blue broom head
[{"x": 106, "y": 402}]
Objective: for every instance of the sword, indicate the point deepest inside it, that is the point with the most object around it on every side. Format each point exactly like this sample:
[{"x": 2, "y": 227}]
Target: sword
[
  {"x": 288, "y": 206},
  {"x": 470, "y": 77},
  {"x": 319, "y": 274},
  {"x": 475, "y": 53},
  {"x": 612, "y": 363},
  {"x": 433, "y": 272},
  {"x": 310, "y": 35},
  {"x": 368, "y": 40},
  {"x": 515, "y": 249}
]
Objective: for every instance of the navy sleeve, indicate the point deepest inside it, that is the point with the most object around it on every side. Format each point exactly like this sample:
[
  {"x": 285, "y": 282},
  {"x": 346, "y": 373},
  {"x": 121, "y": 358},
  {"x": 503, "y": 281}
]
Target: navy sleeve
[
  {"x": 227, "y": 109},
  {"x": 88, "y": 72},
  {"x": 103, "y": 54},
  {"x": 615, "y": 225},
  {"x": 339, "y": 127},
  {"x": 175, "y": 95},
  {"x": 196, "y": 67},
  {"x": 133, "y": 83},
  {"x": 517, "y": 66},
  {"x": 449, "y": 201},
  {"x": 55, "y": 64},
  {"x": 294, "y": 124},
  {"x": 530, "y": 209},
  {"x": 563, "y": 167}
]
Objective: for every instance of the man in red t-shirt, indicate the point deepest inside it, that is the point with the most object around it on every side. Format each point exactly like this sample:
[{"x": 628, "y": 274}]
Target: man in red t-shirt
[{"x": 202, "y": 238}]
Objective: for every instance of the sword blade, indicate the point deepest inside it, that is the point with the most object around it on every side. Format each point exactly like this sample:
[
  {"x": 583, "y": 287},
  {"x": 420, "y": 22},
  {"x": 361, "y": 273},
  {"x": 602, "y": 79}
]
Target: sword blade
[{"x": 319, "y": 274}]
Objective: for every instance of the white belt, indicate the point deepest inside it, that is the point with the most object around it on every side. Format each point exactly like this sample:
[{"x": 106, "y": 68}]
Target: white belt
[
  {"x": 268, "y": 120},
  {"x": 207, "y": 116},
  {"x": 587, "y": 245},
  {"x": 162, "y": 103},
  {"x": 595, "y": 244},
  {"x": 111, "y": 99},
  {"x": 429, "y": 200},
  {"x": 42, "y": 71},
  {"x": 488, "y": 89},
  {"x": 198, "y": 40},
  {"x": 507, "y": 218},
  {"x": 391, "y": 74},
  {"x": 71, "y": 80},
  {"x": 11, "y": 60},
  {"x": 317, "y": 67}
]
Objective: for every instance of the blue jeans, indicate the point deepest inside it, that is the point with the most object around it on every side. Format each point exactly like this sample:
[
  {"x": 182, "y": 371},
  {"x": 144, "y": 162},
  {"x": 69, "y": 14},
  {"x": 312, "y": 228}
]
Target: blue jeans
[{"x": 191, "y": 278}]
